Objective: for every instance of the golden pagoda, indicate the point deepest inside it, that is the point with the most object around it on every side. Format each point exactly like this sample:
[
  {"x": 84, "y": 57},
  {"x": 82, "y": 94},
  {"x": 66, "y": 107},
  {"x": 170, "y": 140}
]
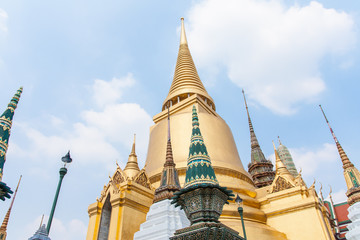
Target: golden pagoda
[{"x": 281, "y": 210}]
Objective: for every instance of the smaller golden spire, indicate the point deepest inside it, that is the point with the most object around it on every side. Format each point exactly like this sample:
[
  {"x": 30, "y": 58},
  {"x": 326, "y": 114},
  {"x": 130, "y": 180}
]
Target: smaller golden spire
[
  {"x": 7, "y": 216},
  {"x": 281, "y": 169},
  {"x": 132, "y": 168}
]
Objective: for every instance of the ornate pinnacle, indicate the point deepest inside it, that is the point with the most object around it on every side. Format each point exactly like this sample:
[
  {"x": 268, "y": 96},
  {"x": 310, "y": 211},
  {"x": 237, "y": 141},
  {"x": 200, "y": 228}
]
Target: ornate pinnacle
[
  {"x": 132, "y": 168},
  {"x": 186, "y": 79},
  {"x": 7, "y": 216},
  {"x": 199, "y": 169},
  {"x": 253, "y": 139},
  {"x": 344, "y": 158},
  {"x": 183, "y": 39},
  {"x": 5, "y": 127},
  {"x": 169, "y": 178},
  {"x": 351, "y": 174}
]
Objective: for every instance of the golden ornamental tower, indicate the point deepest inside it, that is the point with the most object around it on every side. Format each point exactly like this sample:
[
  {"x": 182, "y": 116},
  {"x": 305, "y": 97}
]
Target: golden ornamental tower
[
  {"x": 187, "y": 90},
  {"x": 5, "y": 223}
]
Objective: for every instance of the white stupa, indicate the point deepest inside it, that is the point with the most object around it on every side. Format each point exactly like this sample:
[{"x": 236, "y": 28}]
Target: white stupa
[{"x": 163, "y": 218}]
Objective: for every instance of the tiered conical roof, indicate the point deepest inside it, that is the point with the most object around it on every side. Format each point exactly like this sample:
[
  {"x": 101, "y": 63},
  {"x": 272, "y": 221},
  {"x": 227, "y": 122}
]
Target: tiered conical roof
[
  {"x": 132, "y": 168},
  {"x": 351, "y": 173},
  {"x": 169, "y": 177},
  {"x": 186, "y": 79},
  {"x": 199, "y": 169},
  {"x": 286, "y": 158},
  {"x": 260, "y": 168},
  {"x": 5, "y": 127}
]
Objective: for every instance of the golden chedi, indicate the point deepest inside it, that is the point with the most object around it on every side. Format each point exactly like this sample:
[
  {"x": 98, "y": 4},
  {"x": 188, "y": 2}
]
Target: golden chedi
[
  {"x": 187, "y": 90},
  {"x": 280, "y": 209}
]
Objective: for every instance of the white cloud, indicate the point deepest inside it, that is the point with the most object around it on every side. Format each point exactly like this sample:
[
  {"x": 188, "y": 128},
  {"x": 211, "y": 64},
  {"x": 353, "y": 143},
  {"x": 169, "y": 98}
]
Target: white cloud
[
  {"x": 95, "y": 139},
  {"x": 109, "y": 92},
  {"x": 3, "y": 21},
  {"x": 270, "y": 50}
]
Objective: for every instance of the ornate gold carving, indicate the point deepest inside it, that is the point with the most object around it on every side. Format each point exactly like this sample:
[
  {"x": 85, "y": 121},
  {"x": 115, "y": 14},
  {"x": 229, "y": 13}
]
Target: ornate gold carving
[
  {"x": 118, "y": 178},
  {"x": 143, "y": 180},
  {"x": 281, "y": 184}
]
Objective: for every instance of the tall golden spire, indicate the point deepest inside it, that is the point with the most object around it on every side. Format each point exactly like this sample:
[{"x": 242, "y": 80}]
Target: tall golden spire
[
  {"x": 7, "y": 216},
  {"x": 186, "y": 80},
  {"x": 132, "y": 168},
  {"x": 351, "y": 173}
]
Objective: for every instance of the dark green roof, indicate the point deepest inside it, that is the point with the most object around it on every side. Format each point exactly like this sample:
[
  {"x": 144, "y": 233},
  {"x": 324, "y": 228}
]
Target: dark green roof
[
  {"x": 5, "y": 127},
  {"x": 199, "y": 169}
]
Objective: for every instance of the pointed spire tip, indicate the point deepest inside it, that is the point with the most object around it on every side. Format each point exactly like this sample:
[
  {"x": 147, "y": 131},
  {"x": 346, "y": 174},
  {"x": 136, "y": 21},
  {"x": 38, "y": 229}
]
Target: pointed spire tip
[{"x": 183, "y": 39}]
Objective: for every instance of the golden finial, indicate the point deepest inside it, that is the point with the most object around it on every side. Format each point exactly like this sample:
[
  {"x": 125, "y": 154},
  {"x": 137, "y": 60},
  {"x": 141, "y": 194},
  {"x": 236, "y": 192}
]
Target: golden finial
[
  {"x": 117, "y": 164},
  {"x": 133, "y": 146},
  {"x": 183, "y": 39}
]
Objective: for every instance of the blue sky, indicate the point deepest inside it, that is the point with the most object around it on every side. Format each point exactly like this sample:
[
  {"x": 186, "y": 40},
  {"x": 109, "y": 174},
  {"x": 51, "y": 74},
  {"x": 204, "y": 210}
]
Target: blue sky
[{"x": 96, "y": 72}]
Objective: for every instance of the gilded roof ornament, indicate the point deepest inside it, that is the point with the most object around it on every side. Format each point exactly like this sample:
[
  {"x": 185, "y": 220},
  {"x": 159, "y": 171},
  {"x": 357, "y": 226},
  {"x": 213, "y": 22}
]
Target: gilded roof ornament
[{"x": 132, "y": 168}]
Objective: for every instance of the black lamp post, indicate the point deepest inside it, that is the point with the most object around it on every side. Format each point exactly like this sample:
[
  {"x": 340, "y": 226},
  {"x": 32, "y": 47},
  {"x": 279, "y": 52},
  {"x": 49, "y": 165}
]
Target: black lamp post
[{"x": 239, "y": 201}]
